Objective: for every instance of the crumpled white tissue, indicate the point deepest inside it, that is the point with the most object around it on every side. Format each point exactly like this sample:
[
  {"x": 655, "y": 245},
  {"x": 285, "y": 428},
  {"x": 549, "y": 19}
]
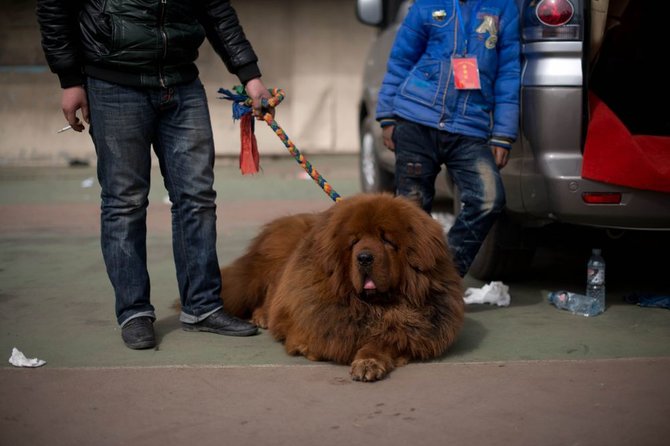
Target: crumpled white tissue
[
  {"x": 494, "y": 293},
  {"x": 18, "y": 359}
]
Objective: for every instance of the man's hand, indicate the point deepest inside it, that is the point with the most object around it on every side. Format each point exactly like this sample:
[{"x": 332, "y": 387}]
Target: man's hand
[
  {"x": 387, "y": 135},
  {"x": 501, "y": 156},
  {"x": 73, "y": 100},
  {"x": 257, "y": 92}
]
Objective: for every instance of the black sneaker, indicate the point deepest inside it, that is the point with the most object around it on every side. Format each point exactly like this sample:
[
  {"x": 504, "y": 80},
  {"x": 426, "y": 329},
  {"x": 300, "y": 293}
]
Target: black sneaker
[
  {"x": 221, "y": 323},
  {"x": 139, "y": 334}
]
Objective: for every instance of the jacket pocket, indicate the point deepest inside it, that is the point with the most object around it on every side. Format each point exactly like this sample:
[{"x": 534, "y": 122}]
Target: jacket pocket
[{"x": 423, "y": 82}]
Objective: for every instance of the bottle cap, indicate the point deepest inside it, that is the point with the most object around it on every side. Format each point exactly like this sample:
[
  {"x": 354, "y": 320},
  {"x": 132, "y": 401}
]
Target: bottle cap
[{"x": 597, "y": 251}]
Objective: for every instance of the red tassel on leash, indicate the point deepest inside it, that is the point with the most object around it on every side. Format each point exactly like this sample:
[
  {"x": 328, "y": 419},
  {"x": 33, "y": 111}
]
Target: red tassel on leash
[{"x": 249, "y": 157}]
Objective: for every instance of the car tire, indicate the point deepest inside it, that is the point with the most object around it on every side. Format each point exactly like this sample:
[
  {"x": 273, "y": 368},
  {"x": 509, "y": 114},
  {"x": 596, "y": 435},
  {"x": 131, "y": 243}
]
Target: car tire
[
  {"x": 373, "y": 176},
  {"x": 507, "y": 253}
]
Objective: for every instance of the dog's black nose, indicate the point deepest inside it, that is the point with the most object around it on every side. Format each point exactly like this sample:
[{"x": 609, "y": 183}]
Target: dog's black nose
[{"x": 365, "y": 258}]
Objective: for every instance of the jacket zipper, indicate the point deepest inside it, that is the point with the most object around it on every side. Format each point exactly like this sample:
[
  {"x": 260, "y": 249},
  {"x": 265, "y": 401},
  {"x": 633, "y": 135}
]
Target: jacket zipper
[
  {"x": 161, "y": 24},
  {"x": 443, "y": 115}
]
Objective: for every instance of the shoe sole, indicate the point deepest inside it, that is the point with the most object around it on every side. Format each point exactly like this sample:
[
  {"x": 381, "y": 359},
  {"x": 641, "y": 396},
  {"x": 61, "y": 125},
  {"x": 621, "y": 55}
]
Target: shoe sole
[
  {"x": 250, "y": 332},
  {"x": 141, "y": 345}
]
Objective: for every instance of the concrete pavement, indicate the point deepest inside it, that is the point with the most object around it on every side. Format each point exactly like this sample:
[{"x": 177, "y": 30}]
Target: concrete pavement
[{"x": 527, "y": 374}]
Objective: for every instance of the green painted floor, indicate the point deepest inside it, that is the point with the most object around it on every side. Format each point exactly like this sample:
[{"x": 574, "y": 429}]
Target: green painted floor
[{"x": 56, "y": 302}]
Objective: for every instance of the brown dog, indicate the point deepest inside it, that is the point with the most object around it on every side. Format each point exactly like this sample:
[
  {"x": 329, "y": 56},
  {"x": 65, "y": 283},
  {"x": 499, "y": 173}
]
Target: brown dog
[{"x": 368, "y": 282}]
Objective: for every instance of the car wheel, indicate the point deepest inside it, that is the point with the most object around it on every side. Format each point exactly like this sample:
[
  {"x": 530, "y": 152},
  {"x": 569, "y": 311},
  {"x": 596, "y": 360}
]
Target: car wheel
[
  {"x": 373, "y": 177},
  {"x": 505, "y": 254}
]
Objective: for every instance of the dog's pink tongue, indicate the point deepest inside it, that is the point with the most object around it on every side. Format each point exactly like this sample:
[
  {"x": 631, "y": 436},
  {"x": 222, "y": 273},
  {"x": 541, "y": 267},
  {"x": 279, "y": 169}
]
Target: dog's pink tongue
[{"x": 369, "y": 284}]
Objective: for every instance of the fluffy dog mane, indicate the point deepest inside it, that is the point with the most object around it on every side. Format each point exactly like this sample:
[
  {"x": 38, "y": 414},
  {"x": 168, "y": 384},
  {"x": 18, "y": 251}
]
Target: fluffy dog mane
[{"x": 369, "y": 282}]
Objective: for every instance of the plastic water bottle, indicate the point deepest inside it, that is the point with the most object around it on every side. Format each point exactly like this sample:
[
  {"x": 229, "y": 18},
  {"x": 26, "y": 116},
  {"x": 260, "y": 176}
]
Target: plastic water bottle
[
  {"x": 595, "y": 282},
  {"x": 572, "y": 302}
]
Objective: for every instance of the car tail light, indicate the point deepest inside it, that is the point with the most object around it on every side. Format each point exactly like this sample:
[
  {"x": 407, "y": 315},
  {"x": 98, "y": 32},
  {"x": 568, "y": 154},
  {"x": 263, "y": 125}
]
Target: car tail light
[
  {"x": 554, "y": 12},
  {"x": 548, "y": 20},
  {"x": 602, "y": 197}
]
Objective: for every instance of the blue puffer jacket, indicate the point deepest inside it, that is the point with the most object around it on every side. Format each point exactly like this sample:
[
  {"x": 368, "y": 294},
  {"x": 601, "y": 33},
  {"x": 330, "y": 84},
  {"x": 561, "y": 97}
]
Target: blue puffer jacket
[{"x": 419, "y": 83}]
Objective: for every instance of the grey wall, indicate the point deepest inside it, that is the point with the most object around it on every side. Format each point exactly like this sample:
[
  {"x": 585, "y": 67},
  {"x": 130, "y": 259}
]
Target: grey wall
[{"x": 314, "y": 50}]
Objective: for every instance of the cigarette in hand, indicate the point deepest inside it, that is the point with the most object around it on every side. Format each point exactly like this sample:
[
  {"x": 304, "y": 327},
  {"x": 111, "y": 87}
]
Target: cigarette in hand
[{"x": 64, "y": 129}]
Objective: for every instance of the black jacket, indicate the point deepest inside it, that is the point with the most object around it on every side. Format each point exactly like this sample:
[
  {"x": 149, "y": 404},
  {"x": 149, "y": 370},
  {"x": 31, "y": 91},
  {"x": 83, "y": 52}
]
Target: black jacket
[{"x": 140, "y": 43}]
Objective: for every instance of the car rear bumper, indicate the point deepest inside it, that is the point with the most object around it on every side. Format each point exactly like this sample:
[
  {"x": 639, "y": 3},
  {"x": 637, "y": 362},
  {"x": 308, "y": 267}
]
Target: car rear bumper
[{"x": 637, "y": 209}]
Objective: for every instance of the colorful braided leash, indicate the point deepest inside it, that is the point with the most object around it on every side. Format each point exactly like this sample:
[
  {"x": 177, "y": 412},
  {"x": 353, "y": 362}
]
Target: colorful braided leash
[{"x": 242, "y": 109}]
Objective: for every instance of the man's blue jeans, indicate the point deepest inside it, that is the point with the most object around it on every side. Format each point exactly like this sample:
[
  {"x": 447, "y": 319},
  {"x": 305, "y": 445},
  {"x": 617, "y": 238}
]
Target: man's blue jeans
[
  {"x": 420, "y": 153},
  {"x": 125, "y": 123}
]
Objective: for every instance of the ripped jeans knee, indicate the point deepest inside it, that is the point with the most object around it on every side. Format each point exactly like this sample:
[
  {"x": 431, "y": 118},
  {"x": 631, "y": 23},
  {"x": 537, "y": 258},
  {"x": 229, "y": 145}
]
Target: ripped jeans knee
[{"x": 416, "y": 181}]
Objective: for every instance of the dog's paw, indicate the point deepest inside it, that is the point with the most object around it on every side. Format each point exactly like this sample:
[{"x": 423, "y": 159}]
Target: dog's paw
[
  {"x": 368, "y": 370},
  {"x": 300, "y": 350},
  {"x": 259, "y": 318}
]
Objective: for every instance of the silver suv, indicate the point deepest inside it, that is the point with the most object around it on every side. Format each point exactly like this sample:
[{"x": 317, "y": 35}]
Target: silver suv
[{"x": 545, "y": 190}]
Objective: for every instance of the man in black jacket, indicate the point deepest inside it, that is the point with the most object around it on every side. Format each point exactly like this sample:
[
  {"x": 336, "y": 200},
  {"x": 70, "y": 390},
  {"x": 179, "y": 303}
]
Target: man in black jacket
[{"x": 127, "y": 67}]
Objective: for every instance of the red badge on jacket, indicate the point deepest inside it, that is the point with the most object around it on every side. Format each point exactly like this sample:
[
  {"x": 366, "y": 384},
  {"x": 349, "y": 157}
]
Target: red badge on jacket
[{"x": 466, "y": 73}]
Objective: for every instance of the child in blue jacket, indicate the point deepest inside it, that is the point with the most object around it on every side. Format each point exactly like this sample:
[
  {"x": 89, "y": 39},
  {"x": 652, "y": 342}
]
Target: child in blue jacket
[{"x": 451, "y": 96}]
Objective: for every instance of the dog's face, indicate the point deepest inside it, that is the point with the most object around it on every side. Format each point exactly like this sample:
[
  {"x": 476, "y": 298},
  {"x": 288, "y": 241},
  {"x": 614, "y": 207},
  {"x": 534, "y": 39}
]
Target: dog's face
[
  {"x": 379, "y": 247},
  {"x": 373, "y": 262}
]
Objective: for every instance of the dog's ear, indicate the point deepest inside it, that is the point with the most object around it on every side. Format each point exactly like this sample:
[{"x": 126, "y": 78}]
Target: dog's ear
[
  {"x": 328, "y": 246},
  {"x": 428, "y": 245}
]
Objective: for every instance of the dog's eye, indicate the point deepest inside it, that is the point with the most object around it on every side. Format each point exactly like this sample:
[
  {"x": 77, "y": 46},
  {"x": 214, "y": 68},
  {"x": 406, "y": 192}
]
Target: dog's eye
[
  {"x": 353, "y": 242},
  {"x": 387, "y": 241}
]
